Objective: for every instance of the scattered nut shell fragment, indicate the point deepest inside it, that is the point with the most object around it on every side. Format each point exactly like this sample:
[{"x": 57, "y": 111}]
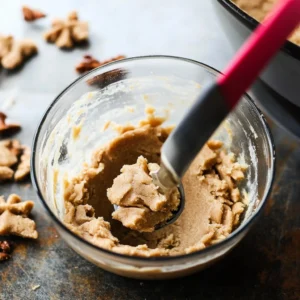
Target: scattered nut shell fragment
[
  {"x": 66, "y": 33},
  {"x": 90, "y": 63},
  {"x": 7, "y": 129},
  {"x": 31, "y": 15}
]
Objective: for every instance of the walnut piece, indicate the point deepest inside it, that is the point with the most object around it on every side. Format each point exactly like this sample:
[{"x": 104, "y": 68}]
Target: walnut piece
[
  {"x": 90, "y": 63},
  {"x": 7, "y": 129},
  {"x": 14, "y": 218},
  {"x": 13, "y": 53},
  {"x": 6, "y": 248},
  {"x": 66, "y": 33},
  {"x": 31, "y": 15}
]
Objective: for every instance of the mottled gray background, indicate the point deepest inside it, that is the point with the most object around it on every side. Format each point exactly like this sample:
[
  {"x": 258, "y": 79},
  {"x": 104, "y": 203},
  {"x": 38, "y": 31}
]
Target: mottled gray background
[{"x": 264, "y": 266}]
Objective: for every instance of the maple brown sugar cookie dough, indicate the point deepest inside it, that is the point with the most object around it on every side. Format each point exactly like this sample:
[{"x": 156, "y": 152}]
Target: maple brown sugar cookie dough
[
  {"x": 213, "y": 209},
  {"x": 141, "y": 206}
]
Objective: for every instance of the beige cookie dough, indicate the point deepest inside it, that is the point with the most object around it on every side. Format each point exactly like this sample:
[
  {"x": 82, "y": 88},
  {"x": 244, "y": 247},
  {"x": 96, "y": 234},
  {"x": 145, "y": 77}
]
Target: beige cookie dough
[
  {"x": 259, "y": 9},
  {"x": 213, "y": 207},
  {"x": 141, "y": 206}
]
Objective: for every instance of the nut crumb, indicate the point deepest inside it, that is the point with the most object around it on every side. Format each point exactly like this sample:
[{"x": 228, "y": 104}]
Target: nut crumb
[
  {"x": 76, "y": 131},
  {"x": 35, "y": 287},
  {"x": 67, "y": 33},
  {"x": 106, "y": 125},
  {"x": 31, "y": 15},
  {"x": 90, "y": 63},
  {"x": 7, "y": 129}
]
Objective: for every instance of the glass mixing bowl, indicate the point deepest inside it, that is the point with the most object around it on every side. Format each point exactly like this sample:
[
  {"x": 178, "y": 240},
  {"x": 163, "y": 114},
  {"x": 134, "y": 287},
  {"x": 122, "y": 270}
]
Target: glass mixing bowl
[{"x": 72, "y": 128}]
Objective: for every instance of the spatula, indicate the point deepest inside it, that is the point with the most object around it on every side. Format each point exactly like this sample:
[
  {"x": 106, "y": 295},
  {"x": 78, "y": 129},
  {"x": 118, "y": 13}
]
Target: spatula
[{"x": 220, "y": 97}]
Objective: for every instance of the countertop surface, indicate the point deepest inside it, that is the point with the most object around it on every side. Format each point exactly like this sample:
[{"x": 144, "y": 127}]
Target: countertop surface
[{"x": 265, "y": 265}]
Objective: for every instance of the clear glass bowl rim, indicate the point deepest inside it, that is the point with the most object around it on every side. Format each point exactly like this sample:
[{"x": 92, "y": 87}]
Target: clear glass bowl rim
[{"x": 176, "y": 258}]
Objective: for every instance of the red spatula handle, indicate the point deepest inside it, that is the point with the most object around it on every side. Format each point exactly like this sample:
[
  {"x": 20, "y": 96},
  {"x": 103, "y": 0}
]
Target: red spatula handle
[{"x": 257, "y": 51}]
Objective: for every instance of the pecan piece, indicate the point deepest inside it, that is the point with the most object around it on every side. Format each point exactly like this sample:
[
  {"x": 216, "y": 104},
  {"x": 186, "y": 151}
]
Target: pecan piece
[
  {"x": 5, "y": 250},
  {"x": 5, "y": 246},
  {"x": 32, "y": 14},
  {"x": 90, "y": 63}
]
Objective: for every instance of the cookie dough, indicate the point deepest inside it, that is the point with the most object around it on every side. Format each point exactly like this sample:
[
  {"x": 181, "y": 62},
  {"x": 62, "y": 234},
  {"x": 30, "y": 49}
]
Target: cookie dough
[
  {"x": 141, "y": 206},
  {"x": 213, "y": 207},
  {"x": 259, "y": 9}
]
